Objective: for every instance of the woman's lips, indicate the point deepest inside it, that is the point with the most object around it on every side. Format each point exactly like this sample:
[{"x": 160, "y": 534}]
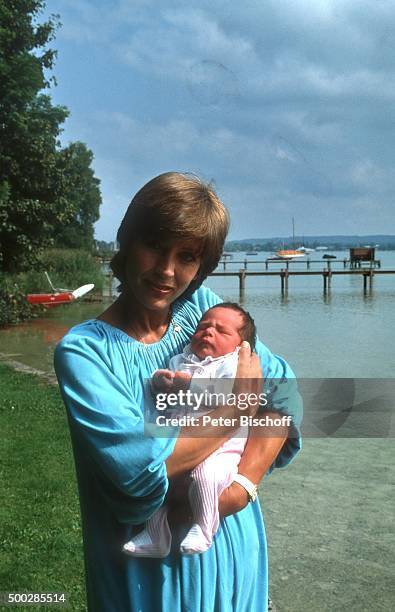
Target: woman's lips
[{"x": 161, "y": 289}]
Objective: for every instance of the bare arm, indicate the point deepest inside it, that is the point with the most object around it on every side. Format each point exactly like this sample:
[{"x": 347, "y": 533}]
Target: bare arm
[
  {"x": 258, "y": 456},
  {"x": 189, "y": 451}
]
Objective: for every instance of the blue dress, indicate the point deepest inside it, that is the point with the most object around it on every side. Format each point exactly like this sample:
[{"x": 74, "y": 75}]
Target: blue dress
[{"x": 122, "y": 475}]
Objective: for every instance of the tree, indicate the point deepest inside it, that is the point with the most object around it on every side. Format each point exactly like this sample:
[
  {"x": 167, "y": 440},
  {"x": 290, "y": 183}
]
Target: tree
[
  {"x": 36, "y": 195},
  {"x": 82, "y": 194}
]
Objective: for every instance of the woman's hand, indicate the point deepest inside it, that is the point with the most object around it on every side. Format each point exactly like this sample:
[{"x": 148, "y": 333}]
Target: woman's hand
[
  {"x": 249, "y": 379},
  {"x": 232, "y": 500}
]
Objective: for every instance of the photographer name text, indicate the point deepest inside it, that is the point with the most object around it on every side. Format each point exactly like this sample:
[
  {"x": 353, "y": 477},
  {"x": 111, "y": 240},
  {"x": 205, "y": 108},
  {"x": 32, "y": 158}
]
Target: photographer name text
[{"x": 207, "y": 420}]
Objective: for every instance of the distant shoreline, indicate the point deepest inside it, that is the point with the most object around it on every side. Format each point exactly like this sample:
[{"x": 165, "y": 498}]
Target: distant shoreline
[
  {"x": 333, "y": 242},
  {"x": 231, "y": 248}
]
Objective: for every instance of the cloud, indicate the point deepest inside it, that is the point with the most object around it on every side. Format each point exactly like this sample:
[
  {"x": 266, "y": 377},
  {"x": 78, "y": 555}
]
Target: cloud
[
  {"x": 287, "y": 103},
  {"x": 188, "y": 45},
  {"x": 274, "y": 171}
]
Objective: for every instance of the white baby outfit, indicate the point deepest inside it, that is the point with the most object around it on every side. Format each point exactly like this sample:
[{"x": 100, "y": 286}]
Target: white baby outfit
[{"x": 209, "y": 479}]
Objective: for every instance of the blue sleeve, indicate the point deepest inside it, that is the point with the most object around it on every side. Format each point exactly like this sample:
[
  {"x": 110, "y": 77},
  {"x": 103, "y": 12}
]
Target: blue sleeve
[
  {"x": 204, "y": 298},
  {"x": 107, "y": 427},
  {"x": 283, "y": 397}
]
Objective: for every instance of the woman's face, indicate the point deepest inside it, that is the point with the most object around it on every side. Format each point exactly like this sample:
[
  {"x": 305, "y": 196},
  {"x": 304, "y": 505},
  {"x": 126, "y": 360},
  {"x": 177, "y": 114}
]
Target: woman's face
[{"x": 158, "y": 273}]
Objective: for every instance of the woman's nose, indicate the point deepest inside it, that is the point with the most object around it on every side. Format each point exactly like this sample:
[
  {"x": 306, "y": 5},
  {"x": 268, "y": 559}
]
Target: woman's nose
[{"x": 166, "y": 263}]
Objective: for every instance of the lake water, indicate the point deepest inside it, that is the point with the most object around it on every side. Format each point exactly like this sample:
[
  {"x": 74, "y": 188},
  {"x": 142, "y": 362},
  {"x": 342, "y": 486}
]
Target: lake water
[
  {"x": 343, "y": 334},
  {"x": 330, "y": 515}
]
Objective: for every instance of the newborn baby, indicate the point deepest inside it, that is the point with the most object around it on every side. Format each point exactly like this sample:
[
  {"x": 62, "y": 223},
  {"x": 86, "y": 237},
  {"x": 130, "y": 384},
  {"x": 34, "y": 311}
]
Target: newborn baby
[{"x": 211, "y": 354}]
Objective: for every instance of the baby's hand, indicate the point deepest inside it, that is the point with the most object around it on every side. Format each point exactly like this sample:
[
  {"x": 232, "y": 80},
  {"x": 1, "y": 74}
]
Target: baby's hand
[
  {"x": 162, "y": 381},
  {"x": 181, "y": 381}
]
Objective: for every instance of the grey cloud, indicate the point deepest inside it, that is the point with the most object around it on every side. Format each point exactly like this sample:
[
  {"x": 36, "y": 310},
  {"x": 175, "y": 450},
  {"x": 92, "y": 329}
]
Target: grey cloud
[{"x": 288, "y": 101}]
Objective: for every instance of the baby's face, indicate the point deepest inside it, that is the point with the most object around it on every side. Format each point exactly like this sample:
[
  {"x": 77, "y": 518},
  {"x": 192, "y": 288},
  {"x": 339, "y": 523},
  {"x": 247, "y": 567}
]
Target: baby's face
[{"x": 217, "y": 333}]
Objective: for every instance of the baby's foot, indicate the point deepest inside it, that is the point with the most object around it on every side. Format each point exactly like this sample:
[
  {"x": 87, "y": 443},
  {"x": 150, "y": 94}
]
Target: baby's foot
[
  {"x": 195, "y": 541},
  {"x": 154, "y": 540},
  {"x": 143, "y": 546}
]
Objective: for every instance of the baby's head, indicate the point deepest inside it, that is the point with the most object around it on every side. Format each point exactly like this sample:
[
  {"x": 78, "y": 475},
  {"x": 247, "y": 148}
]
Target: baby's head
[{"x": 221, "y": 330}]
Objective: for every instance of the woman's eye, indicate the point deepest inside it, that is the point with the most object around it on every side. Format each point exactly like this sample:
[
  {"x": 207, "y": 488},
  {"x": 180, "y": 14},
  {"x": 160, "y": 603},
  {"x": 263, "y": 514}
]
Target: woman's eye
[{"x": 189, "y": 257}]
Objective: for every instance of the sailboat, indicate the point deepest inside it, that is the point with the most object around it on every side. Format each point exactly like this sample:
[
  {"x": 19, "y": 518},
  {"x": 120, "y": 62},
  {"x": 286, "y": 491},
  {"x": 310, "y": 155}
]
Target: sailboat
[
  {"x": 305, "y": 250},
  {"x": 291, "y": 253}
]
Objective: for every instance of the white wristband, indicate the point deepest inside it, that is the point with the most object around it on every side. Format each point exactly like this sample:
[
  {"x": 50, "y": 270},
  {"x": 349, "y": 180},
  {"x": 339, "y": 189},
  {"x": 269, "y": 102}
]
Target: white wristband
[{"x": 249, "y": 486}]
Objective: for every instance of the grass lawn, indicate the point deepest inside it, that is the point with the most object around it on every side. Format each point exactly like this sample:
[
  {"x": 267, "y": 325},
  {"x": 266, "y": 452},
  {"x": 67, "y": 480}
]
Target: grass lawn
[{"x": 40, "y": 531}]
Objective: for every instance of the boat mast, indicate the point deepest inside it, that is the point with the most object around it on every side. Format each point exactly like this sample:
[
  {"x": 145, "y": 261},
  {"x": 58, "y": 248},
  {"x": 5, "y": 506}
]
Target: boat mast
[{"x": 293, "y": 232}]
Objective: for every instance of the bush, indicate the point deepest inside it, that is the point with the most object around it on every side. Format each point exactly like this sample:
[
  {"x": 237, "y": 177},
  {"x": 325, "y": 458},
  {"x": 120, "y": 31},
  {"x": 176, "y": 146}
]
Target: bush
[
  {"x": 13, "y": 304},
  {"x": 72, "y": 268}
]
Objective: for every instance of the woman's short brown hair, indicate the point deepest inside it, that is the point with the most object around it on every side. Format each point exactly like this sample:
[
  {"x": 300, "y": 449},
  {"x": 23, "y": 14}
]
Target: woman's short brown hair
[{"x": 170, "y": 206}]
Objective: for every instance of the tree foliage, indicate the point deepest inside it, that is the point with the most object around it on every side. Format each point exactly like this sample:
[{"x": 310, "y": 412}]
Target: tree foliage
[
  {"x": 41, "y": 189},
  {"x": 82, "y": 193}
]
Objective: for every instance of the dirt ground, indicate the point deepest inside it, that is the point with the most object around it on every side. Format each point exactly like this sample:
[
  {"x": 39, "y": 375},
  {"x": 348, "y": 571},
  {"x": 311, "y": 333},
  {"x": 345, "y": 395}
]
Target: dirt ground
[{"x": 330, "y": 520}]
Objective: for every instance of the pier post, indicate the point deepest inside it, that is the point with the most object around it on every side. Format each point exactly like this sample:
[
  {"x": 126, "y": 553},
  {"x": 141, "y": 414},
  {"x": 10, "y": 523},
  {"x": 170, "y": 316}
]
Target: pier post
[
  {"x": 245, "y": 264},
  {"x": 344, "y": 263},
  {"x": 308, "y": 264},
  {"x": 328, "y": 274},
  {"x": 284, "y": 281},
  {"x": 371, "y": 273},
  {"x": 224, "y": 262},
  {"x": 266, "y": 264},
  {"x": 325, "y": 276},
  {"x": 367, "y": 278},
  {"x": 242, "y": 276}
]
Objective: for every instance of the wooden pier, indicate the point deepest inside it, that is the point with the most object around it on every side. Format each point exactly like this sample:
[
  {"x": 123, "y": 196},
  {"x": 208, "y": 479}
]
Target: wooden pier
[
  {"x": 326, "y": 274},
  {"x": 346, "y": 263},
  {"x": 367, "y": 273}
]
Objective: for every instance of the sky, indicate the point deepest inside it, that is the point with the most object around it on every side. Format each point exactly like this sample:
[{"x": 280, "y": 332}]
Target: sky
[{"x": 286, "y": 105}]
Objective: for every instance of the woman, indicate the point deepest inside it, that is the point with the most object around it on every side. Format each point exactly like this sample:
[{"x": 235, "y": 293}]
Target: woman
[{"x": 170, "y": 239}]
